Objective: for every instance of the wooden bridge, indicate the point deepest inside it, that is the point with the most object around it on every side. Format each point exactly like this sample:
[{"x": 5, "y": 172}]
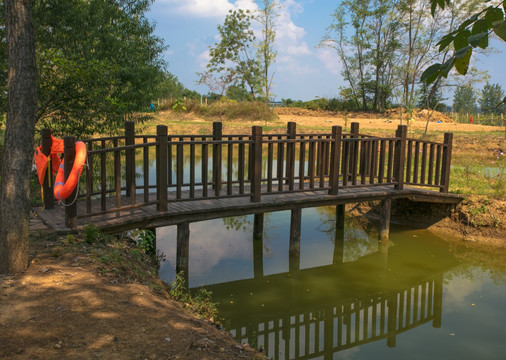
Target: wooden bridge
[
  {"x": 136, "y": 180},
  {"x": 353, "y": 302}
]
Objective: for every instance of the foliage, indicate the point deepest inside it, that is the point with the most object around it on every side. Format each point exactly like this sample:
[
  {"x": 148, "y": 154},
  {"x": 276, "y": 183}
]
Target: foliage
[
  {"x": 365, "y": 35},
  {"x": 178, "y": 106},
  {"x": 200, "y": 303},
  {"x": 98, "y": 63},
  {"x": 171, "y": 87},
  {"x": 491, "y": 99},
  {"x": 464, "y": 99},
  {"x": 232, "y": 61},
  {"x": 471, "y": 34},
  {"x": 265, "y": 48},
  {"x": 92, "y": 234}
]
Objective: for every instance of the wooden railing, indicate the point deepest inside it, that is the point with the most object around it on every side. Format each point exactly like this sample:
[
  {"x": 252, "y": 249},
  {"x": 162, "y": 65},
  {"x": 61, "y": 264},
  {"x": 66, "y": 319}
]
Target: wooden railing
[
  {"x": 193, "y": 167},
  {"x": 325, "y": 330}
]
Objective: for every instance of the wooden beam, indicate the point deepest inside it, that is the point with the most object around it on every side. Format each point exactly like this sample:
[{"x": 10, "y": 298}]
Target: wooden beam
[
  {"x": 386, "y": 212},
  {"x": 183, "y": 250},
  {"x": 294, "y": 249},
  {"x": 258, "y": 229}
]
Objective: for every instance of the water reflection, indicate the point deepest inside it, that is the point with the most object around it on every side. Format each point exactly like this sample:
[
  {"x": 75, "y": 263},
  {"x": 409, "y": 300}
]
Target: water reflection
[{"x": 337, "y": 294}]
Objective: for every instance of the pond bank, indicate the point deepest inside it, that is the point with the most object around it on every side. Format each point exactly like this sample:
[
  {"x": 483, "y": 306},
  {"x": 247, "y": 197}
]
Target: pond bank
[{"x": 100, "y": 301}]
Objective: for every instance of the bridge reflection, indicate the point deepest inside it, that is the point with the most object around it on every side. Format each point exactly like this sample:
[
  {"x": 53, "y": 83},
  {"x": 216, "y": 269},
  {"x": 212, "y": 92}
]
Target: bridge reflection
[{"x": 316, "y": 312}]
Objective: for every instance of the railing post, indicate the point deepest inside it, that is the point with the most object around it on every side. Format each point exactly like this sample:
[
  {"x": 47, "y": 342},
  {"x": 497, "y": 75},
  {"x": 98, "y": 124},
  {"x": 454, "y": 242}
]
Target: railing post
[
  {"x": 217, "y": 136},
  {"x": 256, "y": 166},
  {"x": 335, "y": 157},
  {"x": 47, "y": 187},
  {"x": 354, "y": 151},
  {"x": 161, "y": 167},
  {"x": 130, "y": 159},
  {"x": 291, "y": 131},
  {"x": 400, "y": 156},
  {"x": 69, "y": 154},
  {"x": 447, "y": 160}
]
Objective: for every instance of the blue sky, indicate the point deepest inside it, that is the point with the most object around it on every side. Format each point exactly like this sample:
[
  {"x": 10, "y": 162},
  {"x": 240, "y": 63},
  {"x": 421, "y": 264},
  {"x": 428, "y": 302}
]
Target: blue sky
[{"x": 301, "y": 72}]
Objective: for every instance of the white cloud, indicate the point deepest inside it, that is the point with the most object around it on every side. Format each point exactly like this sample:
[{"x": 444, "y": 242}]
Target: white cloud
[
  {"x": 203, "y": 59},
  {"x": 329, "y": 60},
  {"x": 204, "y": 8}
]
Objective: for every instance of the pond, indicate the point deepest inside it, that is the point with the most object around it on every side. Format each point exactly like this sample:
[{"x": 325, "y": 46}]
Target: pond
[{"x": 342, "y": 294}]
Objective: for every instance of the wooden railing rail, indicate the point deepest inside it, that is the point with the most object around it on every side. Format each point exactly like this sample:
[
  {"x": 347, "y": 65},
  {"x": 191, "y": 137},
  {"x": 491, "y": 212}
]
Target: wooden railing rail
[{"x": 192, "y": 167}]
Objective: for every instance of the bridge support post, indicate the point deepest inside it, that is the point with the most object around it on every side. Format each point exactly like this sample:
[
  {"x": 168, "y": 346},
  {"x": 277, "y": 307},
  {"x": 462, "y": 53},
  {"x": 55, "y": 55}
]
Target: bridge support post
[
  {"x": 392, "y": 320},
  {"x": 340, "y": 215},
  {"x": 256, "y": 164},
  {"x": 130, "y": 160},
  {"x": 294, "y": 250},
  {"x": 291, "y": 131},
  {"x": 183, "y": 251},
  {"x": 400, "y": 156},
  {"x": 339, "y": 236},
  {"x": 258, "y": 230},
  {"x": 335, "y": 157},
  {"x": 386, "y": 212},
  {"x": 217, "y": 150},
  {"x": 69, "y": 154},
  {"x": 438, "y": 302},
  {"x": 161, "y": 167},
  {"x": 47, "y": 187},
  {"x": 447, "y": 157}
]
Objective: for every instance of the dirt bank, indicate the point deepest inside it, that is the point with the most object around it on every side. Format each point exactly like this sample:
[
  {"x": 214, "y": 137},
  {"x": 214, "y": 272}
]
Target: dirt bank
[{"x": 75, "y": 302}]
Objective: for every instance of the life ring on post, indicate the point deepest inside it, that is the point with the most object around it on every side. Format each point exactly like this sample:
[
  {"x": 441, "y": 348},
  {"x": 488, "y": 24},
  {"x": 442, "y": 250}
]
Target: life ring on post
[{"x": 63, "y": 189}]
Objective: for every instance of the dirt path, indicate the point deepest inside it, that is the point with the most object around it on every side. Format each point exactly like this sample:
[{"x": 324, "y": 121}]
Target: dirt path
[{"x": 61, "y": 307}]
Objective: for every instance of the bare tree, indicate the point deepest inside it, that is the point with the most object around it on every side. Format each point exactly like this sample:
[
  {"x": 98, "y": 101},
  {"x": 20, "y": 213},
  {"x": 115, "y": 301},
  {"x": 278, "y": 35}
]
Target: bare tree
[{"x": 19, "y": 133}]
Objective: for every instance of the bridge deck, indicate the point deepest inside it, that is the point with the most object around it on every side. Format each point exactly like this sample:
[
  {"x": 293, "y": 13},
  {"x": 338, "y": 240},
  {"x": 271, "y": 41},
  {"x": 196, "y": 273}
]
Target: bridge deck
[{"x": 210, "y": 208}]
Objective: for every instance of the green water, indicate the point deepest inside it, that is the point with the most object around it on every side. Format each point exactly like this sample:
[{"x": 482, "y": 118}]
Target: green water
[{"x": 344, "y": 295}]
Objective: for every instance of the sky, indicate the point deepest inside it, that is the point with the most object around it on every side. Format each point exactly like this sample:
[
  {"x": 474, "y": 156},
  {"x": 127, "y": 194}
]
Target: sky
[{"x": 301, "y": 72}]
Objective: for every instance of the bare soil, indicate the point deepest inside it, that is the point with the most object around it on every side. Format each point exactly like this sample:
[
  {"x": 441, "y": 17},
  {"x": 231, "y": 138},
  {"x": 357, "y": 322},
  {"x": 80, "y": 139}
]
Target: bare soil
[{"x": 64, "y": 307}]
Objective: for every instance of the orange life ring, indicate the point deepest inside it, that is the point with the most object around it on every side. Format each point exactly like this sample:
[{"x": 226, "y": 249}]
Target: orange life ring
[{"x": 63, "y": 190}]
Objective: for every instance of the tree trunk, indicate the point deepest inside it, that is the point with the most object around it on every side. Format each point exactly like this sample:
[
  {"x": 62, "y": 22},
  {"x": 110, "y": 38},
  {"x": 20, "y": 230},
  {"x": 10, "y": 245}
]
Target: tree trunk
[{"x": 19, "y": 133}]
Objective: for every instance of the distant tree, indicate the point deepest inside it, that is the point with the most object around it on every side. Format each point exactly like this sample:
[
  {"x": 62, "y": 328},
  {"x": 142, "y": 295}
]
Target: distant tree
[
  {"x": 232, "y": 59},
  {"x": 464, "y": 99},
  {"x": 266, "y": 16},
  {"x": 20, "y": 128},
  {"x": 491, "y": 99},
  {"x": 170, "y": 87},
  {"x": 238, "y": 93}
]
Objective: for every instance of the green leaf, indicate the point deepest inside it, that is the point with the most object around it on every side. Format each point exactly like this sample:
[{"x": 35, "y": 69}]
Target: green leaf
[
  {"x": 460, "y": 40},
  {"x": 462, "y": 63},
  {"x": 462, "y": 52},
  {"x": 500, "y": 29},
  {"x": 447, "y": 66},
  {"x": 468, "y": 22},
  {"x": 480, "y": 28},
  {"x": 492, "y": 15},
  {"x": 445, "y": 41},
  {"x": 480, "y": 40},
  {"x": 431, "y": 73}
]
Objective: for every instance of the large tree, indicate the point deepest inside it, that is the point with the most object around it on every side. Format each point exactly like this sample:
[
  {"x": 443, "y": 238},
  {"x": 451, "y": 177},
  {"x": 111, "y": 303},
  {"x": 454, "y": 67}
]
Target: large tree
[
  {"x": 267, "y": 16},
  {"x": 98, "y": 63},
  {"x": 233, "y": 60},
  {"x": 19, "y": 132},
  {"x": 365, "y": 35}
]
